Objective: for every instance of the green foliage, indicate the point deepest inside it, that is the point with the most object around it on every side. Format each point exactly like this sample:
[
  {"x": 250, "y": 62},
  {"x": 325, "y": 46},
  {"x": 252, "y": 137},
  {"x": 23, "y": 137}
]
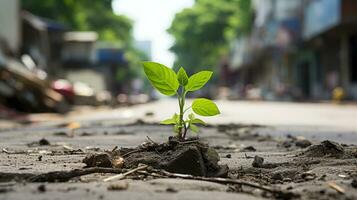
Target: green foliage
[
  {"x": 182, "y": 77},
  {"x": 166, "y": 81},
  {"x": 84, "y": 15},
  {"x": 205, "y": 107},
  {"x": 162, "y": 78},
  {"x": 198, "y": 80},
  {"x": 203, "y": 33}
]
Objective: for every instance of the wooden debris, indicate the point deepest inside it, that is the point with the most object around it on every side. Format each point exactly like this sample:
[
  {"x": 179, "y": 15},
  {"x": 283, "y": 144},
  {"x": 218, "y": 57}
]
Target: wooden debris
[
  {"x": 123, "y": 175},
  {"x": 336, "y": 187},
  {"x": 63, "y": 176},
  {"x": 278, "y": 193}
]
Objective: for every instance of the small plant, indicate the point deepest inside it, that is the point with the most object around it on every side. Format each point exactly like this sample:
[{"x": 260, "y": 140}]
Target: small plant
[{"x": 169, "y": 83}]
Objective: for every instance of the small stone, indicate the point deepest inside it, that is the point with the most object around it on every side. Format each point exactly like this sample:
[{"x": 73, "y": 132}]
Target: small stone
[
  {"x": 149, "y": 114},
  {"x": 86, "y": 134},
  {"x": 342, "y": 176},
  {"x": 354, "y": 183},
  {"x": 122, "y": 185},
  {"x": 277, "y": 176},
  {"x": 118, "y": 162},
  {"x": 171, "y": 190},
  {"x": 258, "y": 162},
  {"x": 43, "y": 142},
  {"x": 41, "y": 188},
  {"x": 61, "y": 133},
  {"x": 303, "y": 143},
  {"x": 248, "y": 149},
  {"x": 228, "y": 156},
  {"x": 286, "y": 144},
  {"x": 308, "y": 176}
]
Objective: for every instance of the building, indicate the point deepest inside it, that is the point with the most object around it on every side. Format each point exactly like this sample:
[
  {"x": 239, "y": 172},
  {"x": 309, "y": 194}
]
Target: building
[
  {"x": 330, "y": 45},
  {"x": 299, "y": 49},
  {"x": 10, "y": 18}
]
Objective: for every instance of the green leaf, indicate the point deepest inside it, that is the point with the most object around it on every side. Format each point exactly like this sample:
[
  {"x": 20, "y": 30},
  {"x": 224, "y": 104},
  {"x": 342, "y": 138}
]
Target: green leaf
[
  {"x": 176, "y": 117},
  {"x": 205, "y": 107},
  {"x": 161, "y": 77},
  {"x": 198, "y": 80},
  {"x": 194, "y": 128},
  {"x": 173, "y": 120},
  {"x": 198, "y": 121},
  {"x": 168, "y": 121},
  {"x": 182, "y": 76}
]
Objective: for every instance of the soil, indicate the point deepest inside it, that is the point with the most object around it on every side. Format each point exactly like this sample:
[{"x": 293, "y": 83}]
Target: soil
[
  {"x": 191, "y": 156},
  {"x": 303, "y": 168}
]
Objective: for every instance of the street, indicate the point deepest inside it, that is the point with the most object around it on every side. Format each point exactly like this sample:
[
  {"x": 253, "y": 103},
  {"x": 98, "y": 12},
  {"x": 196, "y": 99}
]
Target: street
[
  {"x": 278, "y": 132},
  {"x": 315, "y": 115},
  {"x": 312, "y": 120}
]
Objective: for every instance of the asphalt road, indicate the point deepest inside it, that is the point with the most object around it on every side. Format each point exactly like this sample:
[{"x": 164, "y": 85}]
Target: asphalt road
[
  {"x": 99, "y": 130},
  {"x": 319, "y": 115}
]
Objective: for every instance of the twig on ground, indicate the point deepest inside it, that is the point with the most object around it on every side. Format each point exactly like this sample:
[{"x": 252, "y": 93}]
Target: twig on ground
[
  {"x": 5, "y": 151},
  {"x": 63, "y": 176},
  {"x": 189, "y": 142},
  {"x": 130, "y": 152},
  {"x": 248, "y": 157},
  {"x": 152, "y": 141},
  {"x": 13, "y": 152},
  {"x": 336, "y": 187},
  {"x": 115, "y": 148},
  {"x": 151, "y": 174},
  {"x": 274, "y": 191},
  {"x": 123, "y": 175}
]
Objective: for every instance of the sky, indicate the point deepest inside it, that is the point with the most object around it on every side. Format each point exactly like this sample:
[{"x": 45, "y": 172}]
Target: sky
[{"x": 151, "y": 20}]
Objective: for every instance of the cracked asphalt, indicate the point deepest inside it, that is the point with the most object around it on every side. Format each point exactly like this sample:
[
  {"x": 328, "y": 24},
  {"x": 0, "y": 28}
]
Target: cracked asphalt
[{"x": 102, "y": 129}]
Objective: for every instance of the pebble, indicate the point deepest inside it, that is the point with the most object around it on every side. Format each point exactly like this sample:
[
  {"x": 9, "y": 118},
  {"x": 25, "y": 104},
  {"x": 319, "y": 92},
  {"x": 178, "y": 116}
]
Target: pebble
[
  {"x": 303, "y": 143},
  {"x": 171, "y": 190},
  {"x": 122, "y": 185},
  {"x": 354, "y": 183},
  {"x": 277, "y": 176},
  {"x": 258, "y": 161},
  {"x": 41, "y": 188}
]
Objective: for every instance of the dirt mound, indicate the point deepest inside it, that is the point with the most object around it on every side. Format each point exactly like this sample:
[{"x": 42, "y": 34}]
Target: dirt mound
[
  {"x": 186, "y": 157},
  {"x": 331, "y": 149}
]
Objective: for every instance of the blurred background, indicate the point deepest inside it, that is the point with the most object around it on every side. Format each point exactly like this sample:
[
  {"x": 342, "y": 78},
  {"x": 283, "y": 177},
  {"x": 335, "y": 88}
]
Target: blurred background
[{"x": 55, "y": 54}]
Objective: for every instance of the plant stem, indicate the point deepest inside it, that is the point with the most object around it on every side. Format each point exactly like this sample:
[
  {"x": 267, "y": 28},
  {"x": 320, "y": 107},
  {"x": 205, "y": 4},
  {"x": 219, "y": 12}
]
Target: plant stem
[
  {"x": 186, "y": 109},
  {"x": 182, "y": 124},
  {"x": 186, "y": 128}
]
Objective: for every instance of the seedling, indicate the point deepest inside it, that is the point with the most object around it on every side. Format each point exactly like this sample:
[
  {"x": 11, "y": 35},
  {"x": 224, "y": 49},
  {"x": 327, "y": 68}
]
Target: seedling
[{"x": 169, "y": 83}]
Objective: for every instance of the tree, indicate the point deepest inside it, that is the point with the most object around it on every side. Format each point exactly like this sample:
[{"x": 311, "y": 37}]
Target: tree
[
  {"x": 85, "y": 15},
  {"x": 202, "y": 33}
]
